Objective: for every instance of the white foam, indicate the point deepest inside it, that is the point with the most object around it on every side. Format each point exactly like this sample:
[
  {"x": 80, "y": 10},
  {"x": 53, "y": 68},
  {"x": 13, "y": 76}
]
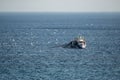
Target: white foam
[{"x": 32, "y": 44}]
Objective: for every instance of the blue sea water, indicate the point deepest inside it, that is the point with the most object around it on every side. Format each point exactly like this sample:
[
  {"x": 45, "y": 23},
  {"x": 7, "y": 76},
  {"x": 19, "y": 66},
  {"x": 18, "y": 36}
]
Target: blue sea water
[{"x": 29, "y": 46}]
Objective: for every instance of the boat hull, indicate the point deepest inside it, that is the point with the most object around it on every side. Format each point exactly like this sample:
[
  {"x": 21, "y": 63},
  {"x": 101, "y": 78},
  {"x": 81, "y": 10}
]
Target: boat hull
[{"x": 75, "y": 44}]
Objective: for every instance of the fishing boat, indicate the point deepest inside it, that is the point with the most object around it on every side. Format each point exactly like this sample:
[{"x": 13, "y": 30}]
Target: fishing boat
[{"x": 78, "y": 42}]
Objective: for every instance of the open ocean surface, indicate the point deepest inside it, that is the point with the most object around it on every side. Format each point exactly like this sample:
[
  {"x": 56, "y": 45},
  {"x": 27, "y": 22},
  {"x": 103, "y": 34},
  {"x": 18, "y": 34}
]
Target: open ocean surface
[{"x": 28, "y": 52}]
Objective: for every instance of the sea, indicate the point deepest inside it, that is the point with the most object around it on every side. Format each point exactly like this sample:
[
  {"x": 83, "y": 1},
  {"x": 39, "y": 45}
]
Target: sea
[{"x": 31, "y": 46}]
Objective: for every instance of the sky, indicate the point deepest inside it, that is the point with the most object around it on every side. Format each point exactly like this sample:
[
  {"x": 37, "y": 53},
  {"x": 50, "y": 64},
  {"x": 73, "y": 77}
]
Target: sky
[{"x": 59, "y": 5}]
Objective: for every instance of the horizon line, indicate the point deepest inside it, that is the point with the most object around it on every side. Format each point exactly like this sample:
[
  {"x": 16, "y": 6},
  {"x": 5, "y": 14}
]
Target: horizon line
[{"x": 59, "y": 12}]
